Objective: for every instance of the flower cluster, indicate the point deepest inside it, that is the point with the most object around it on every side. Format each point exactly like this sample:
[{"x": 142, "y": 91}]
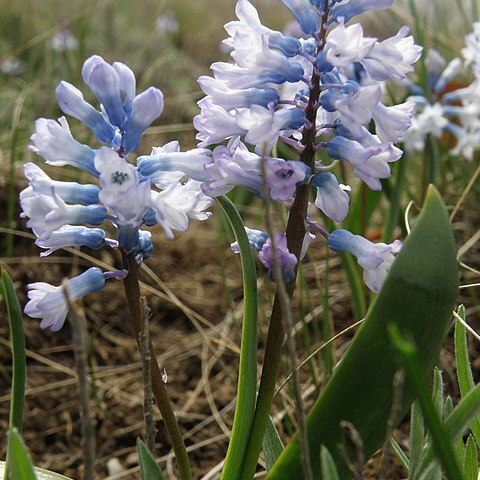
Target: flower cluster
[
  {"x": 439, "y": 109},
  {"x": 62, "y": 214},
  {"x": 320, "y": 91}
]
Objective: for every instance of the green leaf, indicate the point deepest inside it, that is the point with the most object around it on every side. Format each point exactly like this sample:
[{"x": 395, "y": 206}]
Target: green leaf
[
  {"x": 272, "y": 444},
  {"x": 149, "y": 470},
  {"x": 329, "y": 470},
  {"x": 464, "y": 371},
  {"x": 40, "y": 473},
  {"x": 19, "y": 462},
  {"x": 15, "y": 319},
  {"x": 470, "y": 461},
  {"x": 247, "y": 375},
  {"x": 418, "y": 296}
]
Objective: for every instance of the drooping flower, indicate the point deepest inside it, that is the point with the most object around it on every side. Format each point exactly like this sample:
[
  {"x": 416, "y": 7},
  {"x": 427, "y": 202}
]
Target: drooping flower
[
  {"x": 51, "y": 303},
  {"x": 375, "y": 259}
]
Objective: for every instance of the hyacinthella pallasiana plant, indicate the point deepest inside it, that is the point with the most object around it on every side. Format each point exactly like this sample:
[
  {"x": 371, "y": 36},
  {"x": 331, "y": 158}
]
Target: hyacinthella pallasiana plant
[{"x": 320, "y": 90}]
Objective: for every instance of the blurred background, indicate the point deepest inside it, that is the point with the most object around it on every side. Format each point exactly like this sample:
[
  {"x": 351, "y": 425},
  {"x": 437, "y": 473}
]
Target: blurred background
[{"x": 193, "y": 284}]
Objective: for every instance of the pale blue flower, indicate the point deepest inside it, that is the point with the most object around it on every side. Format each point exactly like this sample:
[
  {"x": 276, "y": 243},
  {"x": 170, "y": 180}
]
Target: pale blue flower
[
  {"x": 177, "y": 203},
  {"x": 305, "y": 16},
  {"x": 219, "y": 94},
  {"x": 393, "y": 56},
  {"x": 47, "y": 212},
  {"x": 104, "y": 82},
  {"x": 214, "y": 124},
  {"x": 68, "y": 191},
  {"x": 71, "y": 101},
  {"x": 72, "y": 236},
  {"x": 233, "y": 166},
  {"x": 256, "y": 238},
  {"x": 263, "y": 125},
  {"x": 146, "y": 107},
  {"x": 375, "y": 259},
  {"x": 393, "y": 122},
  {"x": 332, "y": 198},
  {"x": 170, "y": 159},
  {"x": 124, "y": 194},
  {"x": 50, "y": 303},
  {"x": 55, "y": 144},
  {"x": 349, "y": 9}
]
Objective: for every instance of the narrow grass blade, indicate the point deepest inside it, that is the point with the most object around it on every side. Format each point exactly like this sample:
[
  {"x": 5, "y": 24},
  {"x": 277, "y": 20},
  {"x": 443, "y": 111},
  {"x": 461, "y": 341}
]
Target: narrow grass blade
[
  {"x": 470, "y": 461},
  {"x": 397, "y": 450},
  {"x": 464, "y": 371},
  {"x": 417, "y": 437},
  {"x": 19, "y": 462},
  {"x": 272, "y": 444},
  {"x": 456, "y": 424},
  {"x": 247, "y": 377},
  {"x": 422, "y": 284},
  {"x": 414, "y": 372},
  {"x": 17, "y": 336},
  {"x": 437, "y": 392},
  {"x": 149, "y": 470}
]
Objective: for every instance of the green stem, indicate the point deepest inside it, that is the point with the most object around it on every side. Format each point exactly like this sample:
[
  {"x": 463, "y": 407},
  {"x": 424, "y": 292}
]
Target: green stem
[
  {"x": 247, "y": 376},
  {"x": 273, "y": 349},
  {"x": 295, "y": 233},
  {"x": 132, "y": 292}
]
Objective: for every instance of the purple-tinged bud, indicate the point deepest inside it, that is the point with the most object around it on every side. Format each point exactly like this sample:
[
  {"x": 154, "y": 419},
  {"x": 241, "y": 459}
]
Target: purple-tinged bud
[
  {"x": 286, "y": 260},
  {"x": 283, "y": 178}
]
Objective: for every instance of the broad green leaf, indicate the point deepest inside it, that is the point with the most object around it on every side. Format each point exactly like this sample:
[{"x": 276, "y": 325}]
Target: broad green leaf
[
  {"x": 464, "y": 371},
  {"x": 329, "y": 470},
  {"x": 40, "y": 473},
  {"x": 470, "y": 461},
  {"x": 418, "y": 296},
  {"x": 272, "y": 444},
  {"x": 149, "y": 470},
  {"x": 19, "y": 462}
]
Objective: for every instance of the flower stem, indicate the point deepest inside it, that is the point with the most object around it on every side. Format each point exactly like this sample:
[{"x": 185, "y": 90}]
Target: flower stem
[
  {"x": 295, "y": 233},
  {"x": 132, "y": 292}
]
